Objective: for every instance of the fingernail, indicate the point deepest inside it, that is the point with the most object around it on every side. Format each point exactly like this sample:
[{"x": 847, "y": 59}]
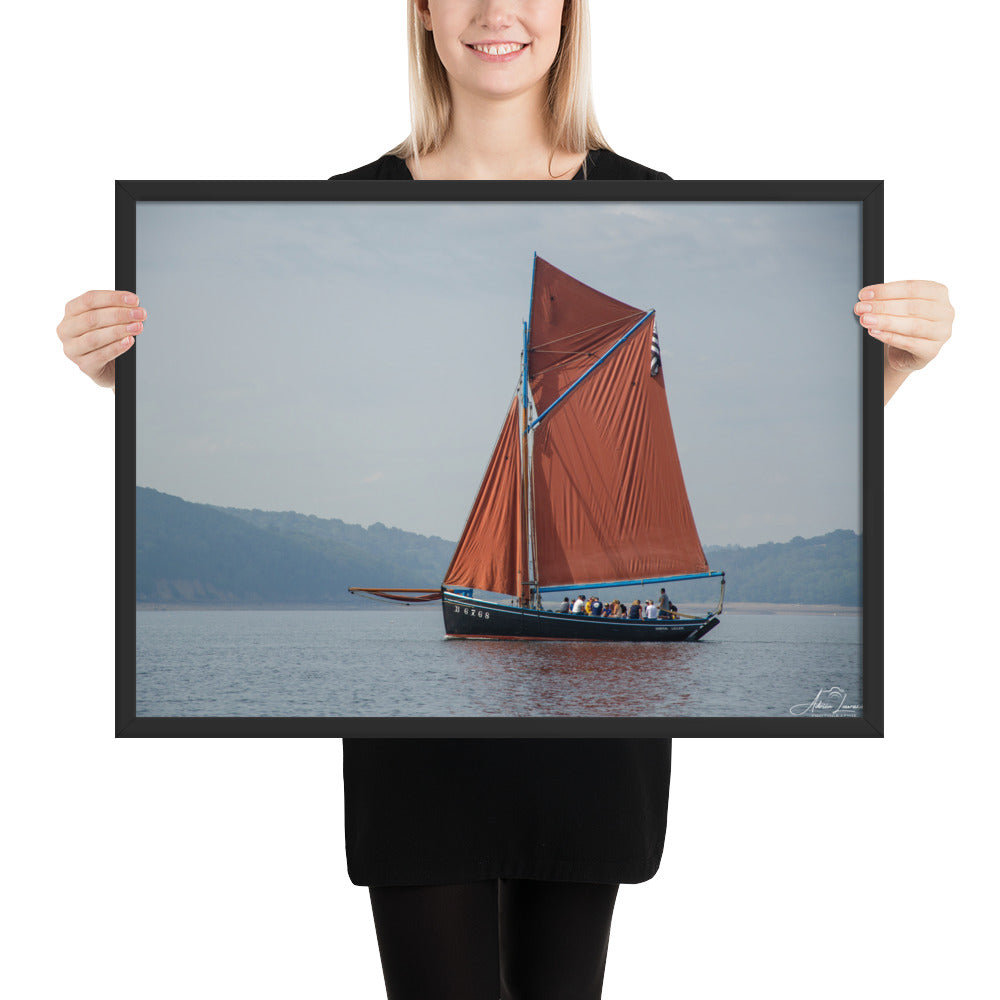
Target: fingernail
[
  {"x": 867, "y": 293},
  {"x": 130, "y": 300},
  {"x": 137, "y": 314},
  {"x": 863, "y": 308},
  {"x": 134, "y": 327},
  {"x": 127, "y": 342}
]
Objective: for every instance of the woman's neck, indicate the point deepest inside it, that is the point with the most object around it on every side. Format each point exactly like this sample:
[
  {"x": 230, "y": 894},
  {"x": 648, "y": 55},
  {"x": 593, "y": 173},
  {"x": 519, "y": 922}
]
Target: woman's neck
[{"x": 497, "y": 139}]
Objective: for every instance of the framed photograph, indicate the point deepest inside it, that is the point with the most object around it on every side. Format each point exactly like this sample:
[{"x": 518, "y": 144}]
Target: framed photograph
[{"x": 499, "y": 459}]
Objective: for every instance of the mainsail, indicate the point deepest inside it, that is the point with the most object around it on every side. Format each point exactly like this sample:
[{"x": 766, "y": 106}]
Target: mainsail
[
  {"x": 610, "y": 501},
  {"x": 605, "y": 499}
]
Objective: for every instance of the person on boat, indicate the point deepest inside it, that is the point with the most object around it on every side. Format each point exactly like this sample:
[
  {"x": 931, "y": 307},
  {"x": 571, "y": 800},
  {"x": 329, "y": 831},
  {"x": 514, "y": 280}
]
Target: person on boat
[
  {"x": 501, "y": 90},
  {"x": 564, "y": 607},
  {"x": 596, "y": 607},
  {"x": 649, "y": 611},
  {"x": 579, "y": 605},
  {"x": 665, "y": 607},
  {"x": 635, "y": 609}
]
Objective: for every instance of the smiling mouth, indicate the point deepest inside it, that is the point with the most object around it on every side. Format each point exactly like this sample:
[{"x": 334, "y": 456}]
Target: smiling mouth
[{"x": 500, "y": 50}]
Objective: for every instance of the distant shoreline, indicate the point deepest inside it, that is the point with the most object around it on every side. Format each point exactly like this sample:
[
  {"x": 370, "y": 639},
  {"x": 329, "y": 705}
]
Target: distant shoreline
[
  {"x": 734, "y": 607},
  {"x": 751, "y": 608}
]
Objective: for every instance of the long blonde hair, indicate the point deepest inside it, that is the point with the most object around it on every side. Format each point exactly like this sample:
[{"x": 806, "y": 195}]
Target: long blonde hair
[{"x": 571, "y": 122}]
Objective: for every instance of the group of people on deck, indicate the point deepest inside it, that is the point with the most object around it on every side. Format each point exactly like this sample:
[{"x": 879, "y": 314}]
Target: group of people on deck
[{"x": 594, "y": 606}]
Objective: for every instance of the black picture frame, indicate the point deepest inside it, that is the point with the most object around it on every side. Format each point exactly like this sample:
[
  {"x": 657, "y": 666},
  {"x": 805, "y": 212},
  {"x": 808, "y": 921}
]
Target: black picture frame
[{"x": 868, "y": 195}]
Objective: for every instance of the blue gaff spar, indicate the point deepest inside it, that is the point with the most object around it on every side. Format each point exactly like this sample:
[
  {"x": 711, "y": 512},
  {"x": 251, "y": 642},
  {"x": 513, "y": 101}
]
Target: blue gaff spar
[{"x": 584, "y": 490}]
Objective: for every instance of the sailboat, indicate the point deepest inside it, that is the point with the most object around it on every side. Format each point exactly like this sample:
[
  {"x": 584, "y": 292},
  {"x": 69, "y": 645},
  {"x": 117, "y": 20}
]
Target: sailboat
[{"x": 584, "y": 489}]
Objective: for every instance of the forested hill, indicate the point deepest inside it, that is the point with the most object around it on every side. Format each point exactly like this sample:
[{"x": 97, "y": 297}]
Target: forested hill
[
  {"x": 191, "y": 553},
  {"x": 821, "y": 570},
  {"x": 196, "y": 553}
]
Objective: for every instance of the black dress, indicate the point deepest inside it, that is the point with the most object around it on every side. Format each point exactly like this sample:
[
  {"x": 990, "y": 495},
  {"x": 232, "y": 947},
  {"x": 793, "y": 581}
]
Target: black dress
[{"x": 439, "y": 811}]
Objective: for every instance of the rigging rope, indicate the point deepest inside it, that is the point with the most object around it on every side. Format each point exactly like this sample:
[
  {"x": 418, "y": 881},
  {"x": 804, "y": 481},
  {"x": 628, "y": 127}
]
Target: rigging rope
[
  {"x": 571, "y": 356},
  {"x": 587, "y": 329}
]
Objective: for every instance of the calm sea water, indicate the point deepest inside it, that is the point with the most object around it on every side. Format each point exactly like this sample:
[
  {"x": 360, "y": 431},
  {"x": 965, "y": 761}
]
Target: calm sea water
[{"x": 398, "y": 663}]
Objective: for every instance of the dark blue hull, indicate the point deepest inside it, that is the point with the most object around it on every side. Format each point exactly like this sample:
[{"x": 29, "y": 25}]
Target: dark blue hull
[{"x": 473, "y": 618}]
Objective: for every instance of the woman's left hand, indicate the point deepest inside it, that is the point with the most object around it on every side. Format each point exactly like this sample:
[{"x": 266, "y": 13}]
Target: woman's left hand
[{"x": 912, "y": 318}]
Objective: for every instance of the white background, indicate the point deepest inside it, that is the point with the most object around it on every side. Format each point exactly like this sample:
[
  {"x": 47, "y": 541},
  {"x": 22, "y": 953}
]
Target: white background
[{"x": 215, "y": 868}]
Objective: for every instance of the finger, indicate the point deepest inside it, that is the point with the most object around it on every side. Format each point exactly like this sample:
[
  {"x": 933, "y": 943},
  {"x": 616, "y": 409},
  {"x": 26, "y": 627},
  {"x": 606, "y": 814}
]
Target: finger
[
  {"x": 931, "y": 290},
  {"x": 88, "y": 343},
  {"x": 920, "y": 308},
  {"x": 921, "y": 349},
  {"x": 92, "y": 363},
  {"x": 96, "y": 299},
  {"x": 902, "y": 325},
  {"x": 98, "y": 319},
  {"x": 906, "y": 325}
]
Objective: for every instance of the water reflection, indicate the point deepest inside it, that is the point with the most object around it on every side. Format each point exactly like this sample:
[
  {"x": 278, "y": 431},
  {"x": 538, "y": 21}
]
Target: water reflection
[
  {"x": 398, "y": 664},
  {"x": 577, "y": 679}
]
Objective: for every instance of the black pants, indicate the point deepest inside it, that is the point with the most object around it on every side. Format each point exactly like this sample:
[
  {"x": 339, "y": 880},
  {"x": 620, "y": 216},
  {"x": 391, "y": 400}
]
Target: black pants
[{"x": 516, "y": 939}]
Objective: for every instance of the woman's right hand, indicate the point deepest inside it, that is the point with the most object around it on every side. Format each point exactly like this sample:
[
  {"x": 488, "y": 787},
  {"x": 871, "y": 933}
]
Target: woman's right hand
[{"x": 97, "y": 328}]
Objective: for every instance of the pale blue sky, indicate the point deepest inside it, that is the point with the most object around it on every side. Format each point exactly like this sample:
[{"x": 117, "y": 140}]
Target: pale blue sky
[{"x": 355, "y": 360}]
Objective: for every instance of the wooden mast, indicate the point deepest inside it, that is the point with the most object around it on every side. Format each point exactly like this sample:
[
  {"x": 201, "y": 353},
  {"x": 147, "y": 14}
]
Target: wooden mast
[
  {"x": 524, "y": 571},
  {"x": 528, "y": 577}
]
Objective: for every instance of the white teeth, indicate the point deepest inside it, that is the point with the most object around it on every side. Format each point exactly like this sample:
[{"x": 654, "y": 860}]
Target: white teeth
[{"x": 499, "y": 50}]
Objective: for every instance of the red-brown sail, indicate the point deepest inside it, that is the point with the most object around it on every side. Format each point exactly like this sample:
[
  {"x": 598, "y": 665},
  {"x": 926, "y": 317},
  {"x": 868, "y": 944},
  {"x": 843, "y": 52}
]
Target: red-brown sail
[
  {"x": 589, "y": 492},
  {"x": 487, "y": 554},
  {"x": 609, "y": 501},
  {"x": 609, "y": 495}
]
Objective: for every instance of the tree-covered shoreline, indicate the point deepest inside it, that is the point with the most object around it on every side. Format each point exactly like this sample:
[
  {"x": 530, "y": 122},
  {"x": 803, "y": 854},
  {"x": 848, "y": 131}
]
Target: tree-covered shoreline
[{"x": 191, "y": 554}]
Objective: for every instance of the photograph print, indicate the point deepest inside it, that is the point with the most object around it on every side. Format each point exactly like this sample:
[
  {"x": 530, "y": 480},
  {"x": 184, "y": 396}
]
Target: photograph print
[{"x": 481, "y": 465}]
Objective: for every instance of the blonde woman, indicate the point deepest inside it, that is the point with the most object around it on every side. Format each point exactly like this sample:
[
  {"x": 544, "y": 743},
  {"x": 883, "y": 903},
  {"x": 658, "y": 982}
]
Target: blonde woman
[{"x": 493, "y": 865}]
